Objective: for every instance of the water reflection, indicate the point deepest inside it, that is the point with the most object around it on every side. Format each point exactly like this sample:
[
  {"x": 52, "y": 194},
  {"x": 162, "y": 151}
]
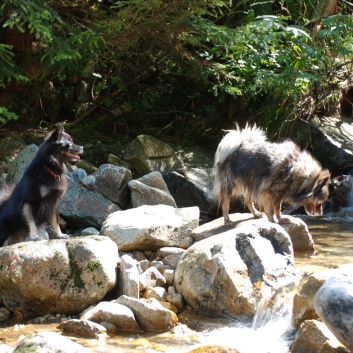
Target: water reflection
[{"x": 333, "y": 239}]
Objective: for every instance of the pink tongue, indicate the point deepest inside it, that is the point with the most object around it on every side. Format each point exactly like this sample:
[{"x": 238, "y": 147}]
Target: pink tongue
[{"x": 74, "y": 155}]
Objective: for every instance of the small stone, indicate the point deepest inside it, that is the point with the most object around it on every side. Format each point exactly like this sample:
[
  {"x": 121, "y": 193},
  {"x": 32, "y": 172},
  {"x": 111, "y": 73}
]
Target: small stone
[
  {"x": 82, "y": 328},
  {"x": 176, "y": 300},
  {"x": 169, "y": 276}
]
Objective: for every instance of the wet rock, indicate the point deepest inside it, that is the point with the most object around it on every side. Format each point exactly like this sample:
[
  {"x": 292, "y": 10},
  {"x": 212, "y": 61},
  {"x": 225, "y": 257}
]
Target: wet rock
[
  {"x": 207, "y": 348},
  {"x": 334, "y": 304},
  {"x": 147, "y": 154},
  {"x": 150, "y": 315},
  {"x": 112, "y": 183},
  {"x": 82, "y": 328},
  {"x": 303, "y": 301},
  {"x": 129, "y": 277},
  {"x": 150, "y": 227},
  {"x": 299, "y": 233},
  {"x": 314, "y": 337},
  {"x": 150, "y": 189},
  {"x": 117, "y": 314},
  {"x": 49, "y": 342},
  {"x": 221, "y": 275},
  {"x": 339, "y": 193},
  {"x": 56, "y": 276}
]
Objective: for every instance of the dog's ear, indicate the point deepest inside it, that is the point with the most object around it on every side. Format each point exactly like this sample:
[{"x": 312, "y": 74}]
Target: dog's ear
[{"x": 55, "y": 136}]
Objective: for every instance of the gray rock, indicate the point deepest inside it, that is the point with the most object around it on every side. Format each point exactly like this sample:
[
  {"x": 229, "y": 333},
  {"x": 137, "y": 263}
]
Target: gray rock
[
  {"x": 151, "y": 315},
  {"x": 44, "y": 342},
  {"x": 20, "y": 163},
  {"x": 147, "y": 154},
  {"x": 82, "y": 328},
  {"x": 332, "y": 138},
  {"x": 150, "y": 189},
  {"x": 129, "y": 277},
  {"x": 81, "y": 207},
  {"x": 220, "y": 275},
  {"x": 300, "y": 238},
  {"x": 90, "y": 231},
  {"x": 151, "y": 278},
  {"x": 303, "y": 300},
  {"x": 117, "y": 314},
  {"x": 5, "y": 314},
  {"x": 334, "y": 304},
  {"x": 10, "y": 147},
  {"x": 192, "y": 187},
  {"x": 80, "y": 271},
  {"x": 111, "y": 182},
  {"x": 150, "y": 227}
]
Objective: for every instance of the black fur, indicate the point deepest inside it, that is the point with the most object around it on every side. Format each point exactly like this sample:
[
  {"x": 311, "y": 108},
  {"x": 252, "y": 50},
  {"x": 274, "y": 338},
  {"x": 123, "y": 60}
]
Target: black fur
[{"x": 35, "y": 199}]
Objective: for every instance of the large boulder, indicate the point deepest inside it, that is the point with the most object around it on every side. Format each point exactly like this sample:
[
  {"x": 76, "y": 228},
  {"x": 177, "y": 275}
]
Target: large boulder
[
  {"x": 82, "y": 207},
  {"x": 57, "y": 276},
  {"x": 147, "y": 154},
  {"x": 334, "y": 304},
  {"x": 150, "y": 227},
  {"x": 303, "y": 300},
  {"x": 298, "y": 231},
  {"x": 117, "y": 314},
  {"x": 193, "y": 186},
  {"x": 150, "y": 189},
  {"x": 314, "y": 337},
  {"x": 150, "y": 314},
  {"x": 112, "y": 183},
  {"x": 20, "y": 163},
  {"x": 223, "y": 274},
  {"x": 332, "y": 138},
  {"x": 52, "y": 342}
]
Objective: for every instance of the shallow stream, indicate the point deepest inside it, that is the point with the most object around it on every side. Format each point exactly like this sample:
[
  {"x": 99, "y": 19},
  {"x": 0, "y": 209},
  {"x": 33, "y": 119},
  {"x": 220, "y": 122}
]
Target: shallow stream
[{"x": 271, "y": 331}]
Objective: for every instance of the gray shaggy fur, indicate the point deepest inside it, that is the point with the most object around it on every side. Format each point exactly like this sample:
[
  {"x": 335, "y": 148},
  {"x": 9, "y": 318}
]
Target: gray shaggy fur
[{"x": 247, "y": 165}]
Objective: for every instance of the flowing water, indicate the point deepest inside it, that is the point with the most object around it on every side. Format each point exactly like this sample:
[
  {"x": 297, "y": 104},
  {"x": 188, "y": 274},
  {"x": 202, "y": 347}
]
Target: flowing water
[{"x": 270, "y": 331}]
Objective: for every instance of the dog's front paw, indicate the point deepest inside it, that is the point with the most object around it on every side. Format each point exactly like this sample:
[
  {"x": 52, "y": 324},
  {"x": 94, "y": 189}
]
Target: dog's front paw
[{"x": 63, "y": 236}]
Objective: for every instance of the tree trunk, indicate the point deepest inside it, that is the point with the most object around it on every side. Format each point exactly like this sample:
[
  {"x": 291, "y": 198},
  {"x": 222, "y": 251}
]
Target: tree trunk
[{"x": 323, "y": 8}]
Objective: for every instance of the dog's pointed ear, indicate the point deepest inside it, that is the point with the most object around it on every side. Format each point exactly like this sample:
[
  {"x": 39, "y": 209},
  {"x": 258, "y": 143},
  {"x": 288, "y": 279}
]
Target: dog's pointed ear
[{"x": 56, "y": 134}]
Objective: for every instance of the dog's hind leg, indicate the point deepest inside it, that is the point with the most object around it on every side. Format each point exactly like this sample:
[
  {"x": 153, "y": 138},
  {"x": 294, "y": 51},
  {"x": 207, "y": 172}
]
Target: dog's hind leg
[
  {"x": 278, "y": 213},
  {"x": 250, "y": 205},
  {"x": 55, "y": 224},
  {"x": 225, "y": 202}
]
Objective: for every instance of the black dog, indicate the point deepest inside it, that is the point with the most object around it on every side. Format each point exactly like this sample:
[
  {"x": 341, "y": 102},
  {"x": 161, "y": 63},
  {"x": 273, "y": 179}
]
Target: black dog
[{"x": 35, "y": 199}]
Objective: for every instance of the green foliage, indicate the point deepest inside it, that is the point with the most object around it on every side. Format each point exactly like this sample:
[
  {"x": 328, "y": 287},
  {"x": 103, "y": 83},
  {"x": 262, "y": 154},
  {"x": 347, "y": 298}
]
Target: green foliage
[
  {"x": 9, "y": 70},
  {"x": 6, "y": 115},
  {"x": 63, "y": 49},
  {"x": 164, "y": 57}
]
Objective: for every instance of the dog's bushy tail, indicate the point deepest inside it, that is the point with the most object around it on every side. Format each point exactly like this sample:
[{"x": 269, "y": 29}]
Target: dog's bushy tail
[{"x": 234, "y": 138}]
